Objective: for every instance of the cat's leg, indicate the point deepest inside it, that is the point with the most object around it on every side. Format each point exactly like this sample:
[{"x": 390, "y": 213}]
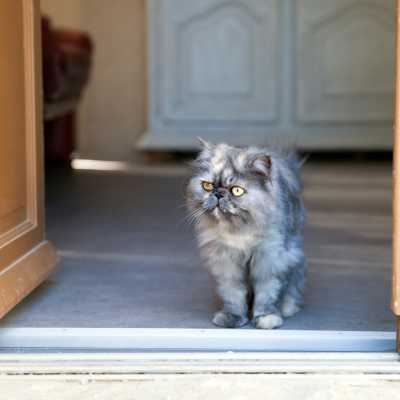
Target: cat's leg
[
  {"x": 268, "y": 280},
  {"x": 266, "y": 314},
  {"x": 292, "y": 299},
  {"x": 230, "y": 278}
]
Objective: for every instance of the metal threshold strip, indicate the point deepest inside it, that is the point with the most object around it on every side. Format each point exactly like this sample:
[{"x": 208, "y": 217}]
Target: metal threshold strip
[{"x": 149, "y": 339}]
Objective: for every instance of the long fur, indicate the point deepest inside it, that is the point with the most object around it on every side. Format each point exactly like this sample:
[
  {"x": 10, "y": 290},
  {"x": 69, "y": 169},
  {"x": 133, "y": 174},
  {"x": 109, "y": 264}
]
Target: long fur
[{"x": 253, "y": 244}]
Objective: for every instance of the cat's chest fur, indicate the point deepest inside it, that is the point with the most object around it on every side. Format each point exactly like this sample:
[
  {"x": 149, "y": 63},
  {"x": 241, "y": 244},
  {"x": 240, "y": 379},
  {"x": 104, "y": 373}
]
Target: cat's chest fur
[{"x": 240, "y": 240}]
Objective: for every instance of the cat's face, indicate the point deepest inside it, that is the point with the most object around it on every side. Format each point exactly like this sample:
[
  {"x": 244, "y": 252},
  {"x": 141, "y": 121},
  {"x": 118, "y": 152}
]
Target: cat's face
[{"x": 229, "y": 185}]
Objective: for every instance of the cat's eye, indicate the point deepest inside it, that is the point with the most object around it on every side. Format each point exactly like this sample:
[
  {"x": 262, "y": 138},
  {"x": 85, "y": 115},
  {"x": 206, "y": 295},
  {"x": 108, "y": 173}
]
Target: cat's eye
[
  {"x": 237, "y": 191},
  {"x": 207, "y": 186}
]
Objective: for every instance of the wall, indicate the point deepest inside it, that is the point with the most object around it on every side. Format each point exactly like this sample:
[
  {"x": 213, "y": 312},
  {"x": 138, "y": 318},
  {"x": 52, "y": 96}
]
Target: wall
[
  {"x": 64, "y": 13},
  {"x": 113, "y": 112}
]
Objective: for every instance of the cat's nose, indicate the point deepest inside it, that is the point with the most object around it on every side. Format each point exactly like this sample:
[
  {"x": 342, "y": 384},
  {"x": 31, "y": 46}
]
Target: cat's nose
[{"x": 219, "y": 193}]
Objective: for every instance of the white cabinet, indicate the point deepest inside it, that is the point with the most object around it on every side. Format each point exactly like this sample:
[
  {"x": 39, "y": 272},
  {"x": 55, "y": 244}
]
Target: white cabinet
[{"x": 319, "y": 73}]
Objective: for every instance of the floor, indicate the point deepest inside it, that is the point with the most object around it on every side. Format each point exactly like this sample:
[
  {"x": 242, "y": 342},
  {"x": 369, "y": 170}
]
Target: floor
[
  {"x": 130, "y": 260},
  {"x": 210, "y": 386}
]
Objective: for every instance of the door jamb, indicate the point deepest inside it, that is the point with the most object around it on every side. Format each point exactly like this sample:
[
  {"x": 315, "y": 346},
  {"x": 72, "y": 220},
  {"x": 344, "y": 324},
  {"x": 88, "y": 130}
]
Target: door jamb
[{"x": 396, "y": 188}]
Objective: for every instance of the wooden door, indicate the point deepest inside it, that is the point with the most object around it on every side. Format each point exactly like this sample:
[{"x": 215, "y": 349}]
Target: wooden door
[{"x": 26, "y": 258}]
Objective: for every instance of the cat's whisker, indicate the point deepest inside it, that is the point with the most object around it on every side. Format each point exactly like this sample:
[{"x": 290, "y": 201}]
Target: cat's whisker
[
  {"x": 192, "y": 214},
  {"x": 195, "y": 215}
]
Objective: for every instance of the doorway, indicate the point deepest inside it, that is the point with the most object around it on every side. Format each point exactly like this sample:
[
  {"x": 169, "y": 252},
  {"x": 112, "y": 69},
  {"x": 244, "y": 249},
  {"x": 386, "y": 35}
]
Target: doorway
[{"x": 130, "y": 270}]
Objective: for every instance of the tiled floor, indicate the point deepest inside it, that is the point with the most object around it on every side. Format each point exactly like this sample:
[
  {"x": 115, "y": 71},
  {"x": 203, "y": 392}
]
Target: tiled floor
[{"x": 129, "y": 260}]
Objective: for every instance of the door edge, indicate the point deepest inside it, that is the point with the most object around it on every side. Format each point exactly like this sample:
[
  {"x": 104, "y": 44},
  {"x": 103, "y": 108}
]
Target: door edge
[{"x": 20, "y": 278}]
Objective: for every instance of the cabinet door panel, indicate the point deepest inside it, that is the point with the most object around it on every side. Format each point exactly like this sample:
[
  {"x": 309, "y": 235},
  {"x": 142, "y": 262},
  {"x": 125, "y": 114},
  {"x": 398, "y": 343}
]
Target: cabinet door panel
[
  {"x": 219, "y": 60},
  {"x": 345, "y": 51}
]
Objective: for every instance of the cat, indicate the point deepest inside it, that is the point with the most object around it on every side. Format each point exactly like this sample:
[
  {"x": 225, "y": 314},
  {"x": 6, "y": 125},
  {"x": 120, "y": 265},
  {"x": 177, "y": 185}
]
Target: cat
[{"x": 249, "y": 219}]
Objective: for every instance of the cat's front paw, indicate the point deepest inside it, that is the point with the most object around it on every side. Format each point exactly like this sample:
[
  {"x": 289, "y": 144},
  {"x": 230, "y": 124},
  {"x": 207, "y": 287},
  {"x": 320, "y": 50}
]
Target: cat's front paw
[
  {"x": 225, "y": 319},
  {"x": 270, "y": 321}
]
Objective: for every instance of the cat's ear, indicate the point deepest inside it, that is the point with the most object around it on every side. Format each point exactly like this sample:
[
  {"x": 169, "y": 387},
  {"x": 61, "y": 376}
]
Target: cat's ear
[
  {"x": 205, "y": 145},
  {"x": 204, "y": 156},
  {"x": 261, "y": 165}
]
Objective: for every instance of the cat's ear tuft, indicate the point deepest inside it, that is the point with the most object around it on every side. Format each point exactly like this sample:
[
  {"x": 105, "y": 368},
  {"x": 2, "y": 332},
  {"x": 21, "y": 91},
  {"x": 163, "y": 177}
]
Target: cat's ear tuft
[
  {"x": 261, "y": 165},
  {"x": 204, "y": 144}
]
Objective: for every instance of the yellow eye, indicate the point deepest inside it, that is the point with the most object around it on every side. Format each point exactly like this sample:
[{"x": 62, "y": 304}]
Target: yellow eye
[
  {"x": 207, "y": 186},
  {"x": 237, "y": 191}
]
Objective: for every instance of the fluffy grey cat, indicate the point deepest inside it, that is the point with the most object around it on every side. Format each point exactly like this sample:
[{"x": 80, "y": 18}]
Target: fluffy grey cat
[{"x": 249, "y": 217}]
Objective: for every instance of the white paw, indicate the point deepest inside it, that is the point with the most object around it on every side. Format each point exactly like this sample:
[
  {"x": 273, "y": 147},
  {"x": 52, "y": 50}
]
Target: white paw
[
  {"x": 289, "y": 307},
  {"x": 270, "y": 321}
]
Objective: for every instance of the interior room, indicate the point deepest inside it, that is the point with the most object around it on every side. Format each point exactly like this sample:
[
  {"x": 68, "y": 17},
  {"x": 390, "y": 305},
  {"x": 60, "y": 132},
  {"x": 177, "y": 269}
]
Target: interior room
[{"x": 128, "y": 87}]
